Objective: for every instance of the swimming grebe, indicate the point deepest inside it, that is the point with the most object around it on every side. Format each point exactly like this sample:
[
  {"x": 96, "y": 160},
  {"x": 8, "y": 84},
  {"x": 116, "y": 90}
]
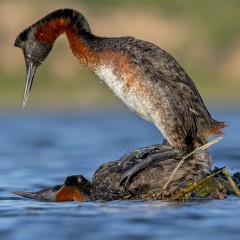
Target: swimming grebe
[
  {"x": 148, "y": 79},
  {"x": 147, "y": 184},
  {"x": 75, "y": 188}
]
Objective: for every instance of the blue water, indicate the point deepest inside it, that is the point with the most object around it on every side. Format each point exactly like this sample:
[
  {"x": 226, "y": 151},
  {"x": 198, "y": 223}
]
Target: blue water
[{"x": 39, "y": 149}]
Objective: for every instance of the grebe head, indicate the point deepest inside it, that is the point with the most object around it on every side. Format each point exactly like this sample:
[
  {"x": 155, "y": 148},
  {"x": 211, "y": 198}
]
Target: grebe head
[
  {"x": 37, "y": 40},
  {"x": 75, "y": 188},
  {"x": 34, "y": 52}
]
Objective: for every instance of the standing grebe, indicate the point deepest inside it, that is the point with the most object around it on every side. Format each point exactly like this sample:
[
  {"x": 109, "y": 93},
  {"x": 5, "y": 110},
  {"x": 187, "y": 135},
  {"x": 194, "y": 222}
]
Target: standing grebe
[{"x": 148, "y": 79}]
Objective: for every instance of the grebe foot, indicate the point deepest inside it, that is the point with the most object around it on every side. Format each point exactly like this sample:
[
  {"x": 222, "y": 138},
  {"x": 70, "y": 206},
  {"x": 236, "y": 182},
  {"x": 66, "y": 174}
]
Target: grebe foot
[
  {"x": 141, "y": 153},
  {"x": 165, "y": 153}
]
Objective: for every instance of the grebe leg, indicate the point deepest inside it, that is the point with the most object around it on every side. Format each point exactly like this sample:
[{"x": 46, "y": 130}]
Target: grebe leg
[
  {"x": 143, "y": 152},
  {"x": 144, "y": 157}
]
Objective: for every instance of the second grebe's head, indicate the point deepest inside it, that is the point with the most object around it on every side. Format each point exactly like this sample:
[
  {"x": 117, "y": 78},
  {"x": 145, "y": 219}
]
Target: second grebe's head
[
  {"x": 34, "y": 52},
  {"x": 75, "y": 188}
]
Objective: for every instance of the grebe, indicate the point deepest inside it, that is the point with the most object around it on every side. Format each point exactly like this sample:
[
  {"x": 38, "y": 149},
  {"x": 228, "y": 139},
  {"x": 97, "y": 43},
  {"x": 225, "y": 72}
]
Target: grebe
[
  {"x": 148, "y": 79},
  {"x": 146, "y": 184}
]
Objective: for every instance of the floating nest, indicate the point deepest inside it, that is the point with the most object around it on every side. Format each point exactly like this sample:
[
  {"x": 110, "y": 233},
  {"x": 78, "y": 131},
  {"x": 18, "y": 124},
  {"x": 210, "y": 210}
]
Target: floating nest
[{"x": 216, "y": 185}]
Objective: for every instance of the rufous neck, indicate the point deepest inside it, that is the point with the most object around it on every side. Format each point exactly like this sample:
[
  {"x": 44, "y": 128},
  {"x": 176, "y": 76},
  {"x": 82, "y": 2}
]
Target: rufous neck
[
  {"x": 76, "y": 28},
  {"x": 59, "y": 22}
]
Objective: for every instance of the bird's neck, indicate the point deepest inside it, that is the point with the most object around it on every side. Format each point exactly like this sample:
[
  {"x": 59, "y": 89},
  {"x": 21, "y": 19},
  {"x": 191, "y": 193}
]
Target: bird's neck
[
  {"x": 77, "y": 30},
  {"x": 95, "y": 53}
]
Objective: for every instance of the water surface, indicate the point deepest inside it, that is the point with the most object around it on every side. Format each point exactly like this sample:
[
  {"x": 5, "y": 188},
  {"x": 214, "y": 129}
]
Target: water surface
[{"x": 39, "y": 149}]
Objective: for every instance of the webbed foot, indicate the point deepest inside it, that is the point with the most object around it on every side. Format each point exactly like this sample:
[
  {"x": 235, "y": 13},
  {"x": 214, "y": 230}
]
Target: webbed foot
[
  {"x": 140, "y": 153},
  {"x": 143, "y": 157}
]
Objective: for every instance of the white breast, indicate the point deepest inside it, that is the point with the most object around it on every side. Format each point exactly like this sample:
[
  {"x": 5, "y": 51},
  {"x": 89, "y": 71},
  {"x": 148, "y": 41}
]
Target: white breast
[
  {"x": 140, "y": 103},
  {"x": 115, "y": 82},
  {"x": 128, "y": 95}
]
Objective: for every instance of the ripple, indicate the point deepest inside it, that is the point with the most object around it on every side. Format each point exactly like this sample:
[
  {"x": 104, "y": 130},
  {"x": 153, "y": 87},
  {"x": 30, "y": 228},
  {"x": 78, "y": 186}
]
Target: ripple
[{"x": 38, "y": 151}]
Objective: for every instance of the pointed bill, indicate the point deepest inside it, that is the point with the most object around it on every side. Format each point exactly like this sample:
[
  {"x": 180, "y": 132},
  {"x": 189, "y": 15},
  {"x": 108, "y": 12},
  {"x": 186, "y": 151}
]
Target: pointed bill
[
  {"x": 31, "y": 195},
  {"x": 46, "y": 194},
  {"x": 31, "y": 69}
]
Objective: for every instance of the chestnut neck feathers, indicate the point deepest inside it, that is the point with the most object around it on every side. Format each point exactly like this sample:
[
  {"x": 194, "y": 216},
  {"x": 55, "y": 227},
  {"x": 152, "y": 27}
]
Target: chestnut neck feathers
[{"x": 50, "y": 27}]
